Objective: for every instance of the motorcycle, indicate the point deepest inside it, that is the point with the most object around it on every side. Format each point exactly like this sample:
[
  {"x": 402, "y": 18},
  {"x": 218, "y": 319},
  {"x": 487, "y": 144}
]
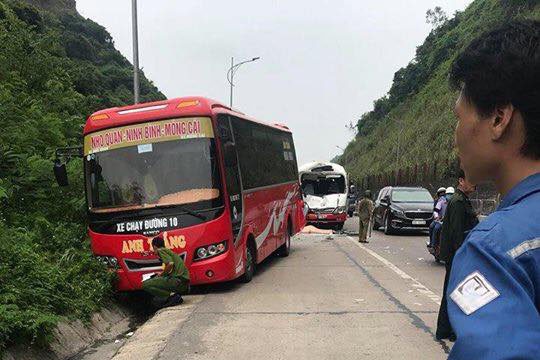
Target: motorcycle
[{"x": 435, "y": 249}]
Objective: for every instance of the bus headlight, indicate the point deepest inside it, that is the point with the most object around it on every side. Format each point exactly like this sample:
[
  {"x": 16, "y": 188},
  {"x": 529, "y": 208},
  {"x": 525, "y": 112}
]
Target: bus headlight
[
  {"x": 212, "y": 250},
  {"x": 202, "y": 252},
  {"x": 209, "y": 251},
  {"x": 110, "y": 261},
  {"x": 340, "y": 209}
]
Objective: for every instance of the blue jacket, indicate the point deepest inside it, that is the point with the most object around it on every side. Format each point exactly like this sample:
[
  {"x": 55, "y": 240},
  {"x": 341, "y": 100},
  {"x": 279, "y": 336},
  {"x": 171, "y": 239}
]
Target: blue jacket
[{"x": 494, "y": 288}]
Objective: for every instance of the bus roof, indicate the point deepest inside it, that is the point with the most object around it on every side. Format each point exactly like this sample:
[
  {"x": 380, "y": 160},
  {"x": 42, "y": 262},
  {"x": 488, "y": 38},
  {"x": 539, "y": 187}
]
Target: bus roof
[
  {"x": 177, "y": 107},
  {"x": 332, "y": 167}
]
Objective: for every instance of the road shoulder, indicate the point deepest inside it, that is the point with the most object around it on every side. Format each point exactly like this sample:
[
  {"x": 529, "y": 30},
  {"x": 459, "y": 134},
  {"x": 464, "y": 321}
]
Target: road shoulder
[{"x": 151, "y": 338}]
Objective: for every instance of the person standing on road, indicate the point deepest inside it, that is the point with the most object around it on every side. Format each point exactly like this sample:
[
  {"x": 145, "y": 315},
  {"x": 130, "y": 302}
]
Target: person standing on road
[
  {"x": 168, "y": 286},
  {"x": 459, "y": 219},
  {"x": 494, "y": 287},
  {"x": 365, "y": 212}
]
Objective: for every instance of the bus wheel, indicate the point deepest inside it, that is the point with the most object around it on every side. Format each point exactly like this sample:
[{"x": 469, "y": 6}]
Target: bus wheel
[
  {"x": 285, "y": 249},
  {"x": 250, "y": 264}
]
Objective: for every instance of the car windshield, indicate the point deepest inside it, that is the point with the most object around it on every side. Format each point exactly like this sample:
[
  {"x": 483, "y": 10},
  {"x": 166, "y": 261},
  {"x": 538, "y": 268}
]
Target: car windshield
[
  {"x": 154, "y": 174},
  {"x": 411, "y": 195}
]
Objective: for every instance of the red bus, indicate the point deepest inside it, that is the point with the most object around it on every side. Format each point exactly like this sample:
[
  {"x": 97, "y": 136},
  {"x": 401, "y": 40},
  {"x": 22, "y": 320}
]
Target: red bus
[{"x": 220, "y": 187}]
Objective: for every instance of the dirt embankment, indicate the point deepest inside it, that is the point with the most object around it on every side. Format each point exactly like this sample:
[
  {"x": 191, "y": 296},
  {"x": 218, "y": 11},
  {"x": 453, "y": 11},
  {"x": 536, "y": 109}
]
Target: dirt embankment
[{"x": 71, "y": 338}]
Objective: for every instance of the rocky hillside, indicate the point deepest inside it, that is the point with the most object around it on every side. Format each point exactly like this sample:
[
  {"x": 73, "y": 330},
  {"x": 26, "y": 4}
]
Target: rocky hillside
[{"x": 412, "y": 126}]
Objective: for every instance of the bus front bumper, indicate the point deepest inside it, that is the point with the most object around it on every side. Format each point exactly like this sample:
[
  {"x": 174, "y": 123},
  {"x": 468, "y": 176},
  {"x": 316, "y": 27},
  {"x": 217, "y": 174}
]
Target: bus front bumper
[
  {"x": 326, "y": 218},
  {"x": 218, "y": 269}
]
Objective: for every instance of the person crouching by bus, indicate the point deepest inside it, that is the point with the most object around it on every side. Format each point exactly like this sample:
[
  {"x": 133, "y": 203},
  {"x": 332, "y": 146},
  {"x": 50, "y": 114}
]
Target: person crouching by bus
[
  {"x": 168, "y": 286},
  {"x": 365, "y": 212}
]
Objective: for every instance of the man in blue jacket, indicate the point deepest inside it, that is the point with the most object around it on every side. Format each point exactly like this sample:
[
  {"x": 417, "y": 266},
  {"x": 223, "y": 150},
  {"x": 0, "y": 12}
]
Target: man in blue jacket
[{"x": 494, "y": 286}]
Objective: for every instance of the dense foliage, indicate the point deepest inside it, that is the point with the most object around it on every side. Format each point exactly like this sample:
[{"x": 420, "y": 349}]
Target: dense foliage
[
  {"x": 414, "y": 123},
  {"x": 55, "y": 69}
]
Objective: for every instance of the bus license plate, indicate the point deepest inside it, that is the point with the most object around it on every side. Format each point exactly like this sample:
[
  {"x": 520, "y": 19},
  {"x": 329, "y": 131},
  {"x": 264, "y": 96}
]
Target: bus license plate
[
  {"x": 322, "y": 216},
  {"x": 147, "y": 276},
  {"x": 419, "y": 222}
]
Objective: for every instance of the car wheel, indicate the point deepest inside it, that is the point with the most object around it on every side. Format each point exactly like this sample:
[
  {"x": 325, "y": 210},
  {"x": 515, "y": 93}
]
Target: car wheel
[
  {"x": 339, "y": 227},
  {"x": 376, "y": 225},
  {"x": 388, "y": 229},
  {"x": 285, "y": 249},
  {"x": 250, "y": 264}
]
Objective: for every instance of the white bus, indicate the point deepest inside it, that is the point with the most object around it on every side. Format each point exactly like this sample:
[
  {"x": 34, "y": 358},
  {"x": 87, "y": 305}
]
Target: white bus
[{"x": 325, "y": 188}]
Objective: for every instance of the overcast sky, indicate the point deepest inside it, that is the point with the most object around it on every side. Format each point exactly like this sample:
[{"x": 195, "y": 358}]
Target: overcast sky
[{"x": 322, "y": 65}]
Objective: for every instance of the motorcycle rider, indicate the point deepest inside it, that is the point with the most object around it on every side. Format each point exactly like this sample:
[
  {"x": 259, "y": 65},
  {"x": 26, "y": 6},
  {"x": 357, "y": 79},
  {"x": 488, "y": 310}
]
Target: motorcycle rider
[
  {"x": 438, "y": 212},
  {"x": 440, "y": 192},
  {"x": 449, "y": 192}
]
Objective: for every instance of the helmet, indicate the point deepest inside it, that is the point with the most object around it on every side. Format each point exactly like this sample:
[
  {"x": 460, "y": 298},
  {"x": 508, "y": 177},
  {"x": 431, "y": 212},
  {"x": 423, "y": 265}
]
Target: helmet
[
  {"x": 441, "y": 190},
  {"x": 450, "y": 190}
]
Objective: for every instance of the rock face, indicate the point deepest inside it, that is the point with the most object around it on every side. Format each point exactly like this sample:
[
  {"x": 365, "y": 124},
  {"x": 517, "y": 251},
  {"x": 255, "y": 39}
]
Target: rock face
[{"x": 55, "y": 6}]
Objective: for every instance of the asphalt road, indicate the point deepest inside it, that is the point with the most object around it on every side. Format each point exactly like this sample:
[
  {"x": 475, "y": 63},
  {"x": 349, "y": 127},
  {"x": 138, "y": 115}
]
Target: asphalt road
[
  {"x": 332, "y": 298},
  {"x": 408, "y": 252}
]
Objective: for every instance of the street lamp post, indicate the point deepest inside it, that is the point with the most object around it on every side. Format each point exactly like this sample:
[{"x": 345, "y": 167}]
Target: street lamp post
[
  {"x": 230, "y": 75},
  {"x": 135, "y": 52}
]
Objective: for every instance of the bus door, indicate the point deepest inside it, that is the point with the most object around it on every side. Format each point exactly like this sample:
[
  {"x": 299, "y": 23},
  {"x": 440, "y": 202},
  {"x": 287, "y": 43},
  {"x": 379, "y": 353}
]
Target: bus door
[{"x": 232, "y": 175}]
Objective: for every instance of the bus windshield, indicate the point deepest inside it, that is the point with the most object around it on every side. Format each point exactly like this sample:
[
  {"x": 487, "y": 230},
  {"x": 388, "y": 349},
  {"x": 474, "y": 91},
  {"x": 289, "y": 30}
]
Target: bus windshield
[
  {"x": 323, "y": 185},
  {"x": 179, "y": 172}
]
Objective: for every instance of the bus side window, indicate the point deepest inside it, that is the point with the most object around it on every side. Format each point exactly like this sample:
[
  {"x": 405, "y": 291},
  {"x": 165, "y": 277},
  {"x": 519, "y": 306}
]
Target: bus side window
[{"x": 232, "y": 175}]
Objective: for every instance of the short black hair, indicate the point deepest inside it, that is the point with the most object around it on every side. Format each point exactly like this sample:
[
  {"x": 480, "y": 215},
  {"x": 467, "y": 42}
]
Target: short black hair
[
  {"x": 158, "y": 242},
  {"x": 461, "y": 174},
  {"x": 502, "y": 67}
]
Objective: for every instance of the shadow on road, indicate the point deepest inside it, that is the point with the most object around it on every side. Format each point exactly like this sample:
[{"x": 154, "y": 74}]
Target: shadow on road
[
  {"x": 230, "y": 286},
  {"x": 410, "y": 233}
]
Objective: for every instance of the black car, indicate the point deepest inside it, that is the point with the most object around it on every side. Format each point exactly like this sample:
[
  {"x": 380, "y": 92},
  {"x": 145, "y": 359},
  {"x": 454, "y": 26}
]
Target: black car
[{"x": 403, "y": 208}]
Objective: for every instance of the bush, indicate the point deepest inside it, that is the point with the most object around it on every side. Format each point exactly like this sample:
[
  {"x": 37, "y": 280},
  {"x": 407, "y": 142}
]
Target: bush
[
  {"x": 53, "y": 74},
  {"x": 47, "y": 273}
]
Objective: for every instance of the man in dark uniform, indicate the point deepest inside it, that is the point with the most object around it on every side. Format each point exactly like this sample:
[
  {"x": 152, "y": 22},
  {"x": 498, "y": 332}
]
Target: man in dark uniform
[
  {"x": 168, "y": 286},
  {"x": 459, "y": 219},
  {"x": 494, "y": 287}
]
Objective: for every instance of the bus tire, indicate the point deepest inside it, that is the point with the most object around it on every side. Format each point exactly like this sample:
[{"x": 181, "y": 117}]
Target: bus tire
[
  {"x": 285, "y": 249},
  {"x": 251, "y": 263}
]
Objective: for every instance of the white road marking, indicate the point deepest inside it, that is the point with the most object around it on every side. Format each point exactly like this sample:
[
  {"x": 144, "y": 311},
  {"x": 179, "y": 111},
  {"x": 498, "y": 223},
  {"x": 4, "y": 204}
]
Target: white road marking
[{"x": 421, "y": 288}]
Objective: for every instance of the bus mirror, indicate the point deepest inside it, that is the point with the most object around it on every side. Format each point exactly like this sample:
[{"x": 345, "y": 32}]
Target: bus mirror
[{"x": 60, "y": 173}]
